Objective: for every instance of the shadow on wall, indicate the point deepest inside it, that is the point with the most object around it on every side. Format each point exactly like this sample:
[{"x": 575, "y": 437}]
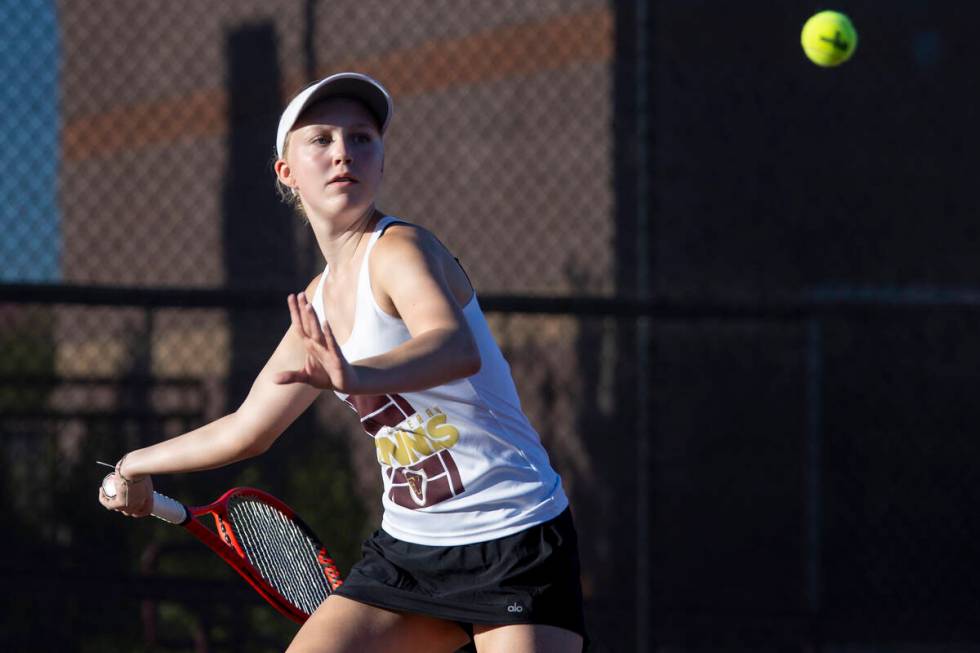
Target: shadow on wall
[{"x": 260, "y": 250}]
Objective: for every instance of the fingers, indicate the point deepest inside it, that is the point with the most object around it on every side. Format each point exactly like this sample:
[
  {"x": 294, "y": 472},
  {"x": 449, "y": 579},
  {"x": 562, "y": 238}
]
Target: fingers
[
  {"x": 103, "y": 499},
  {"x": 311, "y": 323},
  {"x": 123, "y": 500},
  {"x": 295, "y": 315},
  {"x": 329, "y": 341},
  {"x": 304, "y": 318},
  {"x": 323, "y": 354},
  {"x": 115, "y": 502}
]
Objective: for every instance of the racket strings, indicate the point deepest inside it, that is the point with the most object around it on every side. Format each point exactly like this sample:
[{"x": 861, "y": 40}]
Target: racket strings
[{"x": 282, "y": 551}]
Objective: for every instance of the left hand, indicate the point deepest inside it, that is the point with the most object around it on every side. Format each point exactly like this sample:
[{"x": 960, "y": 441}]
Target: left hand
[{"x": 325, "y": 366}]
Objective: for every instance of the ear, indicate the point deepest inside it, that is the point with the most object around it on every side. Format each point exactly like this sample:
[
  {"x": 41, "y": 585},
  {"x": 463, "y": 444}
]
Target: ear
[{"x": 285, "y": 173}]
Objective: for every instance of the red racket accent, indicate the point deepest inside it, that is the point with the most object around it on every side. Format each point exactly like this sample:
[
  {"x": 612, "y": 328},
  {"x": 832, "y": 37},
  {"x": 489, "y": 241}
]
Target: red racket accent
[{"x": 269, "y": 546}]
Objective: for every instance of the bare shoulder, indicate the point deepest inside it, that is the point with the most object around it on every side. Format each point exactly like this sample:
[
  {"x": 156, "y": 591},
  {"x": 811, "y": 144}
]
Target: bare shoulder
[
  {"x": 411, "y": 262},
  {"x": 407, "y": 242}
]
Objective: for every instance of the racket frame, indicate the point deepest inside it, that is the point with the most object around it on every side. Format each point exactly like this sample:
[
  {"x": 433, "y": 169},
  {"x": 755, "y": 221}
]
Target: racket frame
[{"x": 230, "y": 550}]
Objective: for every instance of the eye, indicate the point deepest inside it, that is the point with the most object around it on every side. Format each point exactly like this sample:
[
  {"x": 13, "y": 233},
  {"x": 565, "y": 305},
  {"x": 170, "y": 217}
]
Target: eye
[
  {"x": 362, "y": 138},
  {"x": 320, "y": 139}
]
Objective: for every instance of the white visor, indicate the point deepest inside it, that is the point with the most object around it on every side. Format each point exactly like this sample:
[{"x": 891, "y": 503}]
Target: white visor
[{"x": 350, "y": 85}]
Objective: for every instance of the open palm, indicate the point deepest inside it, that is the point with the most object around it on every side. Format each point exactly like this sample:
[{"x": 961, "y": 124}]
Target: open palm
[{"x": 325, "y": 366}]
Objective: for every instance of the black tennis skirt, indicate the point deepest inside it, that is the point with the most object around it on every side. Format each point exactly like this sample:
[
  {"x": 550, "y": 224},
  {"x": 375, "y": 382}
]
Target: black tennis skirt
[{"x": 530, "y": 577}]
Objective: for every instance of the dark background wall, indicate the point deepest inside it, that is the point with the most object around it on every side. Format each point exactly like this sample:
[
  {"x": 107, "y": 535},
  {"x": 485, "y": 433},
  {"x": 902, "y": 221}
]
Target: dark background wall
[
  {"x": 812, "y": 476},
  {"x": 773, "y": 175}
]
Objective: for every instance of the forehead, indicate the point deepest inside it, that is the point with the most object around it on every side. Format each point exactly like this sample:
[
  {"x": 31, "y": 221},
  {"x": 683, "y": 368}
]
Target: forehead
[{"x": 336, "y": 112}]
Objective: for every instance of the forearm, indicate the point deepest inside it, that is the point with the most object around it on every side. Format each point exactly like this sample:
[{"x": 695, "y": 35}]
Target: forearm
[
  {"x": 429, "y": 359},
  {"x": 216, "y": 444}
]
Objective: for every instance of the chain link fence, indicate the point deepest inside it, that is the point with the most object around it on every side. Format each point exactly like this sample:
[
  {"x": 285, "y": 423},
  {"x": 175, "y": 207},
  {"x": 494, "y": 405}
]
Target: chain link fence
[
  {"x": 148, "y": 129},
  {"x": 753, "y": 466}
]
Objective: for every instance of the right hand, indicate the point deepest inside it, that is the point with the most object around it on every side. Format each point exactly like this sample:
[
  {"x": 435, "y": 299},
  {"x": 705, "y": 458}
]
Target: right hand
[
  {"x": 133, "y": 498},
  {"x": 326, "y": 367}
]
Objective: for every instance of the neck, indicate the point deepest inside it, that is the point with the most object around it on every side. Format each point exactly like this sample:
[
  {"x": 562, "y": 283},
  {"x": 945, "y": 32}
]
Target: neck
[{"x": 338, "y": 239}]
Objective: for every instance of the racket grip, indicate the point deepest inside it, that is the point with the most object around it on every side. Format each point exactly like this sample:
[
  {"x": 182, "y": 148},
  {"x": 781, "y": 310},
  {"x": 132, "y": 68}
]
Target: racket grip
[{"x": 167, "y": 509}]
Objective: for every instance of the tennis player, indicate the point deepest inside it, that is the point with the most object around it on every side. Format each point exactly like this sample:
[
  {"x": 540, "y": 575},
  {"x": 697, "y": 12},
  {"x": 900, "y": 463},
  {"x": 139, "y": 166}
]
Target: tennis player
[{"x": 476, "y": 542}]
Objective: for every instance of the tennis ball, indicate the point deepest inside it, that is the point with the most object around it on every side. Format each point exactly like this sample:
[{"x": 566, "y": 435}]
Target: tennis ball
[{"x": 829, "y": 38}]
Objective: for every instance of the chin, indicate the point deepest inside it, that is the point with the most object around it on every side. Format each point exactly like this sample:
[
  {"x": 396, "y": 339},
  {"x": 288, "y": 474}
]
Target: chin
[{"x": 345, "y": 205}]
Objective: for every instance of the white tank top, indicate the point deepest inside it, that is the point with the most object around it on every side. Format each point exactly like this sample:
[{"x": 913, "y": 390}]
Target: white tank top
[{"x": 460, "y": 462}]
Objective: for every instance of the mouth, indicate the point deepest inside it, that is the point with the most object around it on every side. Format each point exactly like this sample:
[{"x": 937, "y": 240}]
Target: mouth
[{"x": 342, "y": 179}]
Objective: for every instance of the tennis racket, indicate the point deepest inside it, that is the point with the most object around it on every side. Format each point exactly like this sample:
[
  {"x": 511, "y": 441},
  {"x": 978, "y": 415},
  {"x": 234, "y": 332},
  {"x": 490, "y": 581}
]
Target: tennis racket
[{"x": 264, "y": 541}]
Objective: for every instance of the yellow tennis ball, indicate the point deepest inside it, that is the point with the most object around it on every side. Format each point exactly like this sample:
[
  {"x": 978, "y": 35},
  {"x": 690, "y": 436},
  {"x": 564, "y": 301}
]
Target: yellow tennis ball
[{"x": 829, "y": 38}]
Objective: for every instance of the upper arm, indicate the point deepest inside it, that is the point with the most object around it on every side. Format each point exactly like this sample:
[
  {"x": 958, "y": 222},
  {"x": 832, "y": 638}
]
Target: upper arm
[
  {"x": 270, "y": 407},
  {"x": 408, "y": 267}
]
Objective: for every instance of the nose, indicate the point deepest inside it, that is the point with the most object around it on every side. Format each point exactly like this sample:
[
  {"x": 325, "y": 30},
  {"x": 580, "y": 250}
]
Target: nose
[{"x": 342, "y": 151}]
